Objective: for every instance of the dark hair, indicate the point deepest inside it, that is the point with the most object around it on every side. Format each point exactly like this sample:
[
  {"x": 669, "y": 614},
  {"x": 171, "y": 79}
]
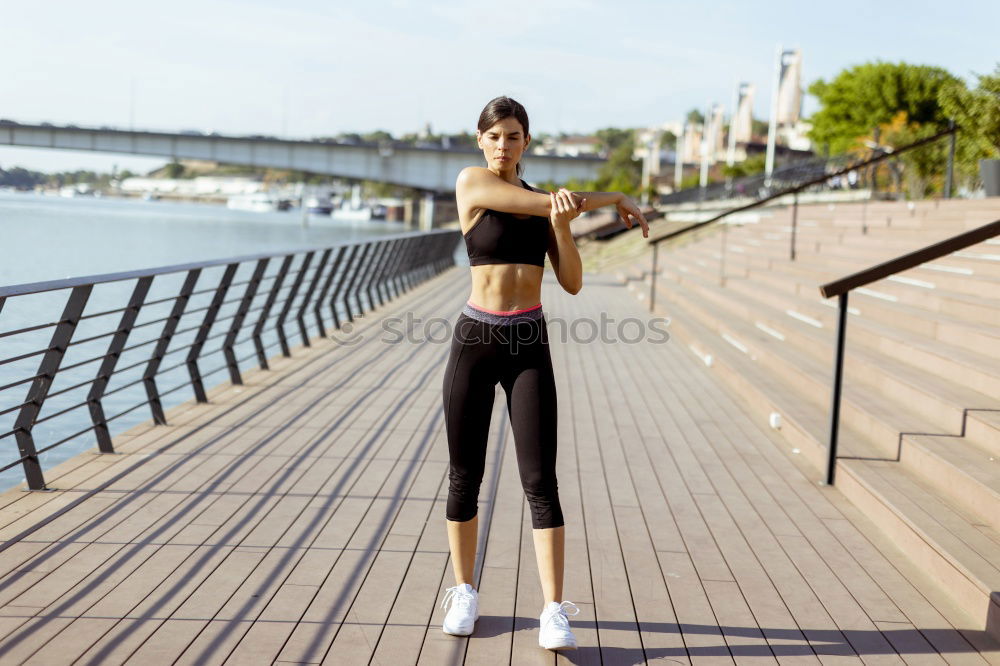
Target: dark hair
[{"x": 501, "y": 108}]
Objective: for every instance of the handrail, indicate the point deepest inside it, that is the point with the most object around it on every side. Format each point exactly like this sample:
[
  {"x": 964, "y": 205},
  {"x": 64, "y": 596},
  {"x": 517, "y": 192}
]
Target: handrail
[
  {"x": 843, "y": 286},
  {"x": 794, "y": 191},
  {"x": 909, "y": 260},
  {"x": 49, "y": 285},
  {"x": 400, "y": 261},
  {"x": 881, "y": 157}
]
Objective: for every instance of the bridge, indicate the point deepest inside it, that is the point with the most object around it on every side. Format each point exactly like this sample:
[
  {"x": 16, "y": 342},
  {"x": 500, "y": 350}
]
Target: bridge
[{"x": 395, "y": 163}]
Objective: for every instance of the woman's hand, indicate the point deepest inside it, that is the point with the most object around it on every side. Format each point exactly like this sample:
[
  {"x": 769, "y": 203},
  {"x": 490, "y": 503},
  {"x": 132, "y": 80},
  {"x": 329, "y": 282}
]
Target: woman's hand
[
  {"x": 631, "y": 214},
  {"x": 565, "y": 207}
]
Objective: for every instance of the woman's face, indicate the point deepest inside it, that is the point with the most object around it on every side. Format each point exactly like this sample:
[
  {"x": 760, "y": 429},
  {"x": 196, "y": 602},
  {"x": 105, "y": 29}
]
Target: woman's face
[{"x": 503, "y": 144}]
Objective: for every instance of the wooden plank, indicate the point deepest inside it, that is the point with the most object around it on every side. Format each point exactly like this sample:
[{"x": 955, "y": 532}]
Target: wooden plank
[
  {"x": 614, "y": 610},
  {"x": 636, "y": 525}
]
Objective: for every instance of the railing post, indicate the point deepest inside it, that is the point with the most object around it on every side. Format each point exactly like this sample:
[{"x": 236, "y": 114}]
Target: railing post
[
  {"x": 409, "y": 251},
  {"x": 392, "y": 285},
  {"x": 118, "y": 340},
  {"x": 321, "y": 299},
  {"x": 39, "y": 388},
  {"x": 206, "y": 326},
  {"x": 378, "y": 258},
  {"x": 362, "y": 263},
  {"x": 389, "y": 281},
  {"x": 234, "y": 329},
  {"x": 376, "y": 284},
  {"x": 279, "y": 323},
  {"x": 652, "y": 280},
  {"x": 838, "y": 374},
  {"x": 381, "y": 290},
  {"x": 950, "y": 172},
  {"x": 301, "y": 316},
  {"x": 348, "y": 268},
  {"x": 795, "y": 218},
  {"x": 166, "y": 335},
  {"x": 416, "y": 252},
  {"x": 258, "y": 328}
]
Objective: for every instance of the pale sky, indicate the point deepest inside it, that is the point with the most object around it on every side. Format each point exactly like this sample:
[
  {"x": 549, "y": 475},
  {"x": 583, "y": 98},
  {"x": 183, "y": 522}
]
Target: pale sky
[{"x": 302, "y": 68}]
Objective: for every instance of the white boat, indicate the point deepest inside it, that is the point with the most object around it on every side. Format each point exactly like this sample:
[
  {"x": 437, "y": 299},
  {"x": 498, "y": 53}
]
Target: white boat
[
  {"x": 78, "y": 190},
  {"x": 349, "y": 213},
  {"x": 258, "y": 202}
]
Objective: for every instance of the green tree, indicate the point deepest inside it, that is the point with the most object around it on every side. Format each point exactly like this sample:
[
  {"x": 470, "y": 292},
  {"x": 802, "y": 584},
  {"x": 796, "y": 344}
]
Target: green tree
[
  {"x": 21, "y": 179},
  {"x": 748, "y": 167},
  {"x": 977, "y": 113},
  {"x": 611, "y": 138},
  {"x": 377, "y": 136},
  {"x": 695, "y": 117},
  {"x": 871, "y": 94},
  {"x": 921, "y": 169},
  {"x": 621, "y": 173},
  {"x": 174, "y": 170}
]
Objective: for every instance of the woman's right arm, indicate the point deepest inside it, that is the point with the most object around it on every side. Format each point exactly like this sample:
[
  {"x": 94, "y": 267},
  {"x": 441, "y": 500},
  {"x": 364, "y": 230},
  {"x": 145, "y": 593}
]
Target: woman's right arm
[
  {"x": 478, "y": 187},
  {"x": 595, "y": 200}
]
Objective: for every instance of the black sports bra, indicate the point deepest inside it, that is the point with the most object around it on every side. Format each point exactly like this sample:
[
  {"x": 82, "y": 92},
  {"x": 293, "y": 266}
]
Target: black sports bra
[{"x": 501, "y": 238}]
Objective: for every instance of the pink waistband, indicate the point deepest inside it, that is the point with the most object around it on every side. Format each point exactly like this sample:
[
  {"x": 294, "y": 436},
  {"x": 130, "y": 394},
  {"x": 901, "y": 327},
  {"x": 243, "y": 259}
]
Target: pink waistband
[{"x": 503, "y": 312}]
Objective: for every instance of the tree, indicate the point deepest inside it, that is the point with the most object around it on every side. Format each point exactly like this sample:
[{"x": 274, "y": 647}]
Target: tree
[
  {"x": 377, "y": 136},
  {"x": 621, "y": 173},
  {"x": 921, "y": 169},
  {"x": 611, "y": 138},
  {"x": 867, "y": 95},
  {"x": 748, "y": 167},
  {"x": 695, "y": 117},
  {"x": 174, "y": 170},
  {"x": 21, "y": 179},
  {"x": 977, "y": 113},
  {"x": 758, "y": 127}
]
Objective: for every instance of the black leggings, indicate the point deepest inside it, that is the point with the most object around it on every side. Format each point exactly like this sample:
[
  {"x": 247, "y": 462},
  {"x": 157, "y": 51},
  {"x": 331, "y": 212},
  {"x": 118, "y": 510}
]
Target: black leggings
[{"x": 516, "y": 354}]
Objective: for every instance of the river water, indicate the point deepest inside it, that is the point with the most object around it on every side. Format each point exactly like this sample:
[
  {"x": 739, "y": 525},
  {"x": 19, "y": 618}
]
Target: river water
[{"x": 49, "y": 237}]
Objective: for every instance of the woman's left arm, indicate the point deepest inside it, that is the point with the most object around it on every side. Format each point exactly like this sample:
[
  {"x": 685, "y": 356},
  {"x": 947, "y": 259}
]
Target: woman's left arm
[{"x": 563, "y": 253}]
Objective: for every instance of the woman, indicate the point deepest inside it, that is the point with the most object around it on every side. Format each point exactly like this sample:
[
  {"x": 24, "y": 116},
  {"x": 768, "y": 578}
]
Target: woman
[{"x": 500, "y": 336}]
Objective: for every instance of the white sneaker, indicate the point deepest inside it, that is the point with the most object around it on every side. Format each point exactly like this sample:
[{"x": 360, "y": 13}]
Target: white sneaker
[
  {"x": 464, "y": 611},
  {"x": 554, "y": 633}
]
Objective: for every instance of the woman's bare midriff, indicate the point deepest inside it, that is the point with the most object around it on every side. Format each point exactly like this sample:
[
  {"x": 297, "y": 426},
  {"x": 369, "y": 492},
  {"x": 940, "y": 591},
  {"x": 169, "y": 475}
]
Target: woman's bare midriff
[{"x": 505, "y": 287}]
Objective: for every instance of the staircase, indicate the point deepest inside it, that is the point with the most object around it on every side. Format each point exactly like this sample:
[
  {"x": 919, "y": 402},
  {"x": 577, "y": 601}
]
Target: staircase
[{"x": 919, "y": 438}]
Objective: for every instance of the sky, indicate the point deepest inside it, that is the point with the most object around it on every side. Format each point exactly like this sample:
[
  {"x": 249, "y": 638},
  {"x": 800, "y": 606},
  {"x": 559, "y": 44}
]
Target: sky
[{"x": 304, "y": 68}]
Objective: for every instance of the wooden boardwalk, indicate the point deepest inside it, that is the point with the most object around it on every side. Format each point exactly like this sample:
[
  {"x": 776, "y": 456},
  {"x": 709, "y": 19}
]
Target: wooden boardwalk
[{"x": 300, "y": 519}]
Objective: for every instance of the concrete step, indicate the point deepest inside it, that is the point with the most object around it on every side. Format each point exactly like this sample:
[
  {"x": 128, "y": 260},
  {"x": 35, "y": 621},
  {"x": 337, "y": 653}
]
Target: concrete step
[
  {"x": 890, "y": 386},
  {"x": 980, "y": 308},
  {"x": 958, "y": 469},
  {"x": 812, "y": 326},
  {"x": 752, "y": 320},
  {"x": 868, "y": 410},
  {"x": 983, "y": 428},
  {"x": 954, "y": 548},
  {"x": 977, "y": 337}
]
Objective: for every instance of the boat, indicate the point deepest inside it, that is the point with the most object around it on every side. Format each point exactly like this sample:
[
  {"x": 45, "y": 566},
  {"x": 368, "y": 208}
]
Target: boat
[
  {"x": 319, "y": 204},
  {"x": 258, "y": 202}
]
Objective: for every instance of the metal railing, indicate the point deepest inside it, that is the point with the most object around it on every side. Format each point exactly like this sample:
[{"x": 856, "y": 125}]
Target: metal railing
[
  {"x": 843, "y": 286},
  {"x": 794, "y": 192},
  {"x": 236, "y": 304},
  {"x": 759, "y": 186},
  {"x": 819, "y": 173}
]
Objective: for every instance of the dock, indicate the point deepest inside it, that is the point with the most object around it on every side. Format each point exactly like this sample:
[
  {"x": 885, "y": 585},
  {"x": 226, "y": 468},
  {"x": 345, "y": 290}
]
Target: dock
[{"x": 298, "y": 518}]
